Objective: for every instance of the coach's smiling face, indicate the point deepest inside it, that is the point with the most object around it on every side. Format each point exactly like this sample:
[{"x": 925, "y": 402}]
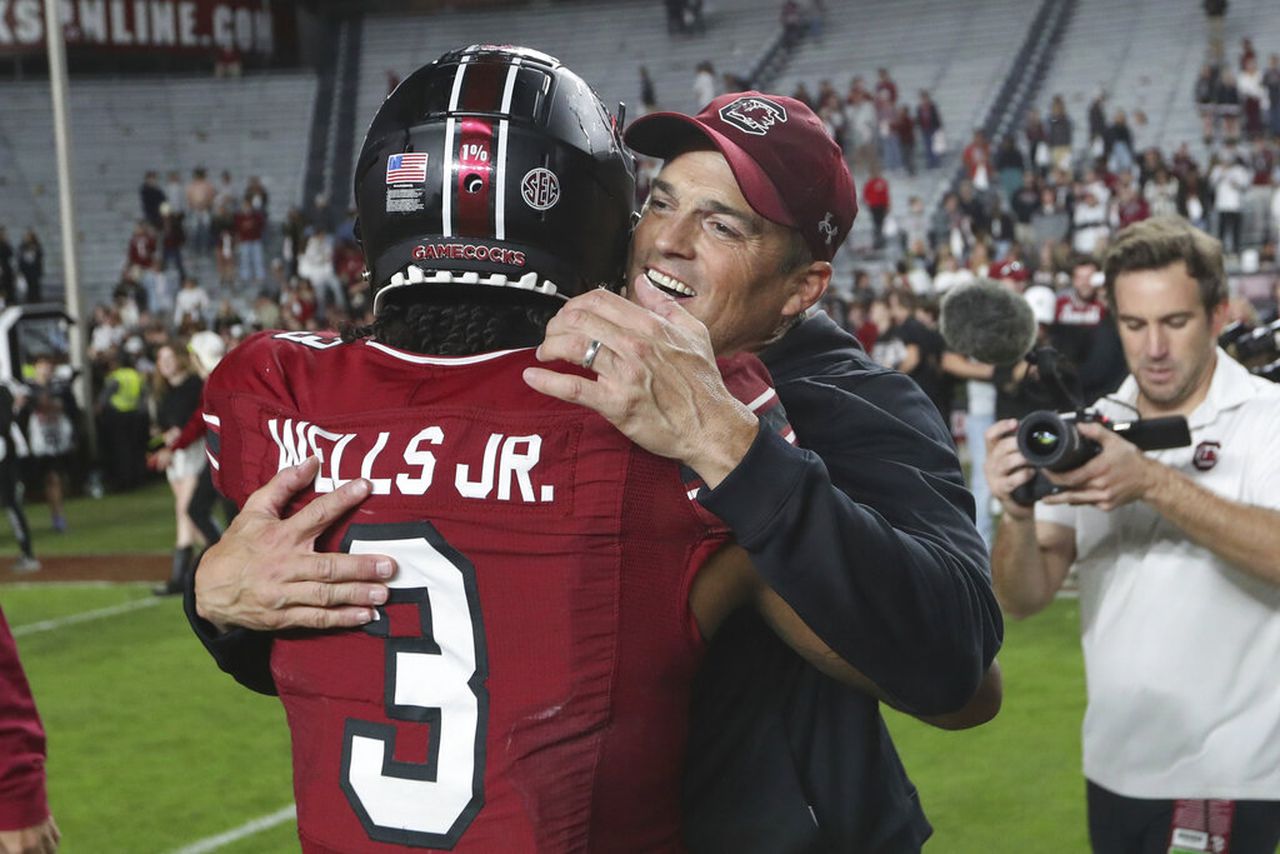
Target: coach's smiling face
[{"x": 699, "y": 242}]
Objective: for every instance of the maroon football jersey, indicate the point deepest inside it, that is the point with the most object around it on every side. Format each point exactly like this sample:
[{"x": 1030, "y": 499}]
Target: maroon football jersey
[{"x": 526, "y": 688}]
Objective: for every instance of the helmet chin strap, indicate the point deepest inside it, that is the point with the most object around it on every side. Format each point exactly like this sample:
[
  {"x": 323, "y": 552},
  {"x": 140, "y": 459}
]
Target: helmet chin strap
[{"x": 415, "y": 275}]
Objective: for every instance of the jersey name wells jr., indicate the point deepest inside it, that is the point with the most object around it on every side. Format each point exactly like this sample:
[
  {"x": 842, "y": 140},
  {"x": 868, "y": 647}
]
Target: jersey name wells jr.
[{"x": 398, "y": 461}]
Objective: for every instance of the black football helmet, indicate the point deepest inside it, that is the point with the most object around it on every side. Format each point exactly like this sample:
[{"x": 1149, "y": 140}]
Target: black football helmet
[{"x": 494, "y": 165}]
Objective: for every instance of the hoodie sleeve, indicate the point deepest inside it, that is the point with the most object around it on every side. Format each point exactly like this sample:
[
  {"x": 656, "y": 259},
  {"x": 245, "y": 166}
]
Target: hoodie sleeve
[{"x": 866, "y": 530}]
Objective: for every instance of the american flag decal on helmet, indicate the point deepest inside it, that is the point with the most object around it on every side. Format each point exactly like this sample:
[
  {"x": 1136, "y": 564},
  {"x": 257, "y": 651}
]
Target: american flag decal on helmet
[{"x": 407, "y": 168}]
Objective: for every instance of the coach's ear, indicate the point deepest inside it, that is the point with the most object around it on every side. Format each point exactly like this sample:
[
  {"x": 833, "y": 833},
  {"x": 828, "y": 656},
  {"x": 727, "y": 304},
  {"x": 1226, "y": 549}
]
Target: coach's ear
[
  {"x": 356, "y": 228},
  {"x": 806, "y": 285}
]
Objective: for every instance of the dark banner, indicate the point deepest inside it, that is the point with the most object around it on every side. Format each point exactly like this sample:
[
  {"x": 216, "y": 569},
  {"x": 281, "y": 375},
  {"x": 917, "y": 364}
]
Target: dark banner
[{"x": 245, "y": 27}]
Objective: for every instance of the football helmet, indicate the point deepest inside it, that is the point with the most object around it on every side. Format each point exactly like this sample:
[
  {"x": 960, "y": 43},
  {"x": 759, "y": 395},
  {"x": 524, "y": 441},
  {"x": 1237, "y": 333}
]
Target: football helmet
[{"x": 494, "y": 166}]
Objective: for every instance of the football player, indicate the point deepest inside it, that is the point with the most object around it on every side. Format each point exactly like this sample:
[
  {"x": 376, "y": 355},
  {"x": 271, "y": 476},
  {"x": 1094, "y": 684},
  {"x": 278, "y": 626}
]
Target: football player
[
  {"x": 25, "y": 821},
  {"x": 525, "y": 685}
]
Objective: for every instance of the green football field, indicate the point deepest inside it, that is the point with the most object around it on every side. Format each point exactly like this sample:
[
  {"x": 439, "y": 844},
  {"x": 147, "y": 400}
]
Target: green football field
[{"x": 152, "y": 749}]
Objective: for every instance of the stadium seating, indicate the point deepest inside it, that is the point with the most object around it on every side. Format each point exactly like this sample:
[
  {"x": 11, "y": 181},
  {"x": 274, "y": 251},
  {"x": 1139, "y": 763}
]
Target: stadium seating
[
  {"x": 121, "y": 128},
  {"x": 605, "y": 42},
  {"x": 920, "y": 42},
  {"x": 1146, "y": 55}
]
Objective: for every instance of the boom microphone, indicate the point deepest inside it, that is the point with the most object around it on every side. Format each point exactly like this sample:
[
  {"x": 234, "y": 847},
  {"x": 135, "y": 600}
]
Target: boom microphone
[{"x": 987, "y": 322}]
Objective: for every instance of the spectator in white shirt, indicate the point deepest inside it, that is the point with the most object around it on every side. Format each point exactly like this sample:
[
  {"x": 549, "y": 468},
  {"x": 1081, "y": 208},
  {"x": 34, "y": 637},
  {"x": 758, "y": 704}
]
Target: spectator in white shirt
[
  {"x": 704, "y": 84},
  {"x": 1229, "y": 179},
  {"x": 315, "y": 264},
  {"x": 191, "y": 304}
]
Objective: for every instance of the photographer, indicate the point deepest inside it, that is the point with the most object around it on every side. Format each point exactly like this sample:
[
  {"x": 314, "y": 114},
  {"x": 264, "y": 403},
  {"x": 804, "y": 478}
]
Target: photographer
[{"x": 1178, "y": 556}]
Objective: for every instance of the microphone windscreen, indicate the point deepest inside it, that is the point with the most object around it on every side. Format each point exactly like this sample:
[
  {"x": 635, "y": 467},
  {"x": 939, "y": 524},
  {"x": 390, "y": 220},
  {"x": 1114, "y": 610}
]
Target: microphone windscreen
[{"x": 988, "y": 322}]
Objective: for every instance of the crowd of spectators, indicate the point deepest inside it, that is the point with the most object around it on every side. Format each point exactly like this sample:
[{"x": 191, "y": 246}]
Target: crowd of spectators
[
  {"x": 1035, "y": 210},
  {"x": 301, "y": 271},
  {"x": 1047, "y": 191},
  {"x": 876, "y": 128},
  {"x": 1035, "y": 202}
]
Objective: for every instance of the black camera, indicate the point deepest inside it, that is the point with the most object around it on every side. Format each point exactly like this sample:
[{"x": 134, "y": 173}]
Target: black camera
[
  {"x": 1233, "y": 332},
  {"x": 1270, "y": 371},
  {"x": 1051, "y": 442},
  {"x": 1260, "y": 343}
]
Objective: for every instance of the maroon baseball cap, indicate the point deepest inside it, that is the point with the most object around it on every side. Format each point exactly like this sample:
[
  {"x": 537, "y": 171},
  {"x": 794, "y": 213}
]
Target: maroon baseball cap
[
  {"x": 788, "y": 167},
  {"x": 1010, "y": 269}
]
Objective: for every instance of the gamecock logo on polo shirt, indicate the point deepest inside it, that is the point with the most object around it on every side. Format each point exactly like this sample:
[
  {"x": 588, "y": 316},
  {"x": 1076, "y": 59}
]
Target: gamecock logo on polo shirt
[
  {"x": 1206, "y": 456},
  {"x": 753, "y": 115}
]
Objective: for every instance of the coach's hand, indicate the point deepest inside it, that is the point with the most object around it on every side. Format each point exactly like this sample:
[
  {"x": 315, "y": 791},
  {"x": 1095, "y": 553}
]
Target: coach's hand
[
  {"x": 265, "y": 573},
  {"x": 656, "y": 377}
]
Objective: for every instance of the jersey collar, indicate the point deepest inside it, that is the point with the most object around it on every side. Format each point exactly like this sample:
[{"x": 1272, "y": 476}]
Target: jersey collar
[{"x": 420, "y": 359}]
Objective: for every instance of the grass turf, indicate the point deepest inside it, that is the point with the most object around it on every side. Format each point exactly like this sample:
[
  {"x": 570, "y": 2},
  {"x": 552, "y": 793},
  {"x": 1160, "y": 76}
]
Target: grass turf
[
  {"x": 1015, "y": 784},
  {"x": 128, "y": 523},
  {"x": 151, "y": 748}
]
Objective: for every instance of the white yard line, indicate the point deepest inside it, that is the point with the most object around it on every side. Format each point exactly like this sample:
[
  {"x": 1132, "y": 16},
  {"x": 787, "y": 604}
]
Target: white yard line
[
  {"x": 31, "y": 585},
  {"x": 249, "y": 828},
  {"x": 85, "y": 616}
]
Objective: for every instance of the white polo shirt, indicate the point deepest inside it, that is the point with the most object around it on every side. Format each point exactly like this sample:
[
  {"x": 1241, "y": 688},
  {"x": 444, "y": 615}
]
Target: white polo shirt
[{"x": 1182, "y": 648}]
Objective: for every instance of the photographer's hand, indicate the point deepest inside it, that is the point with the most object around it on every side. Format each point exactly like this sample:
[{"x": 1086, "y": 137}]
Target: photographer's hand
[
  {"x": 1006, "y": 469},
  {"x": 1246, "y": 535},
  {"x": 1118, "y": 475},
  {"x": 1029, "y": 559}
]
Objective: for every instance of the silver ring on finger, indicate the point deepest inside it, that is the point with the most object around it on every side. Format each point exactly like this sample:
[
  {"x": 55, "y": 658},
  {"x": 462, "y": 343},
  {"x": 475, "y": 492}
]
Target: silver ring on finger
[{"x": 593, "y": 350}]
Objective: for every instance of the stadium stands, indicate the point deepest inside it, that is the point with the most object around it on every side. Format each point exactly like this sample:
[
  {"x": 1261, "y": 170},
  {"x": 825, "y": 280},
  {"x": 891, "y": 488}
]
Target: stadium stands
[
  {"x": 123, "y": 127},
  {"x": 1146, "y": 55},
  {"x": 917, "y": 40},
  {"x": 605, "y": 42}
]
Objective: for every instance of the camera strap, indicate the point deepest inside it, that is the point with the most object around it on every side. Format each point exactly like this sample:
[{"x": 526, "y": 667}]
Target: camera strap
[{"x": 1201, "y": 825}]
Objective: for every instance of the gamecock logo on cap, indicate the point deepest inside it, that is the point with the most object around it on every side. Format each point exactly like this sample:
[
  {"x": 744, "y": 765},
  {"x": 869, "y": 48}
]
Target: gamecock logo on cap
[
  {"x": 753, "y": 115},
  {"x": 540, "y": 188}
]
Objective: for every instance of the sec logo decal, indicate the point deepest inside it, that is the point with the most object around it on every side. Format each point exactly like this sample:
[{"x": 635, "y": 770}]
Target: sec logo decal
[{"x": 540, "y": 189}]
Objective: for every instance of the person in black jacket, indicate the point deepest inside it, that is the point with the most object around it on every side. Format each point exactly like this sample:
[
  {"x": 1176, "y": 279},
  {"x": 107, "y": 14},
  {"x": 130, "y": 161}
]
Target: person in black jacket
[
  {"x": 10, "y": 436},
  {"x": 734, "y": 245},
  {"x": 8, "y": 278},
  {"x": 867, "y": 533},
  {"x": 31, "y": 265},
  {"x": 177, "y": 397}
]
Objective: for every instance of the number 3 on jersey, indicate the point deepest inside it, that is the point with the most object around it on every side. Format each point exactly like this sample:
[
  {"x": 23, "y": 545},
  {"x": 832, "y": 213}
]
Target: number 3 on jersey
[{"x": 435, "y": 678}]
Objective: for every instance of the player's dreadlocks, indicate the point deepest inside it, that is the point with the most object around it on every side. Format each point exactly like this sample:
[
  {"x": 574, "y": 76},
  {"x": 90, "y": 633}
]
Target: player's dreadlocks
[{"x": 461, "y": 325}]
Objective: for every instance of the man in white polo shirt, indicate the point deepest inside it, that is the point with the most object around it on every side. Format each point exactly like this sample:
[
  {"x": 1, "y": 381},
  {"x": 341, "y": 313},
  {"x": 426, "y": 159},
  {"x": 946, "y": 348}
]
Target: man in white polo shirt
[{"x": 1178, "y": 557}]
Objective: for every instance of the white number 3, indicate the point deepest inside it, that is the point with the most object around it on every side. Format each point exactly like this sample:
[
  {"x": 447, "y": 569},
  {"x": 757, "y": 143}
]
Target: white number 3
[{"x": 437, "y": 679}]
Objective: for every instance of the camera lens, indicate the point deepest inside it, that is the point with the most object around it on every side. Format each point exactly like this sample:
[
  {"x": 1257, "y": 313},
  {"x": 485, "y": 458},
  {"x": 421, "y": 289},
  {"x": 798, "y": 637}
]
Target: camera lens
[
  {"x": 1050, "y": 441},
  {"x": 1044, "y": 441}
]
